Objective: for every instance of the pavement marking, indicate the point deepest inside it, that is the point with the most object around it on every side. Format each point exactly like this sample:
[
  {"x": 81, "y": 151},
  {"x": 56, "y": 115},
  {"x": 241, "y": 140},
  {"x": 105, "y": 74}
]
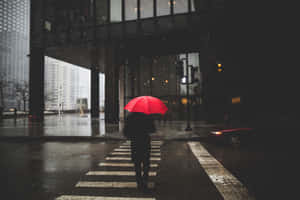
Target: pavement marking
[
  {"x": 129, "y": 153},
  {"x": 116, "y": 173},
  {"x": 122, "y": 150},
  {"x": 128, "y": 146},
  {"x": 152, "y": 141},
  {"x": 128, "y": 149},
  {"x": 152, "y": 144},
  {"x": 129, "y": 158},
  {"x": 101, "y": 184},
  {"x": 122, "y": 164},
  {"x": 229, "y": 186},
  {"x": 74, "y": 197}
]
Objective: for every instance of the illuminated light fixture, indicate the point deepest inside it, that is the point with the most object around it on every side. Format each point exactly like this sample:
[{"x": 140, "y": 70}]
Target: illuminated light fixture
[
  {"x": 219, "y": 65},
  {"x": 219, "y": 70},
  {"x": 183, "y": 80},
  {"x": 169, "y": 3},
  {"x": 153, "y": 79},
  {"x": 217, "y": 132},
  {"x": 236, "y": 100},
  {"x": 166, "y": 81},
  {"x": 184, "y": 100}
]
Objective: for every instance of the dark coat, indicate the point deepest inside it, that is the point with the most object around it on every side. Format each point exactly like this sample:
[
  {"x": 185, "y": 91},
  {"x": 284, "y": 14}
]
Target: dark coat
[
  {"x": 138, "y": 125},
  {"x": 138, "y": 128}
]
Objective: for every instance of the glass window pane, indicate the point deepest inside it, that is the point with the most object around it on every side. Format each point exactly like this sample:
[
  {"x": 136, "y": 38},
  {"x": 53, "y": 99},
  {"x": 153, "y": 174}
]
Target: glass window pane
[
  {"x": 101, "y": 11},
  {"x": 194, "y": 59},
  {"x": 197, "y": 5},
  {"x": 180, "y": 6},
  {"x": 147, "y": 8},
  {"x": 116, "y": 10},
  {"x": 130, "y": 9},
  {"x": 163, "y": 7}
]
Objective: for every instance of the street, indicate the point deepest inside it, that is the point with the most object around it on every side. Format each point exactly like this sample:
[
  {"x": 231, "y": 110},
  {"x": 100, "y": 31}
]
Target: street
[{"x": 59, "y": 170}]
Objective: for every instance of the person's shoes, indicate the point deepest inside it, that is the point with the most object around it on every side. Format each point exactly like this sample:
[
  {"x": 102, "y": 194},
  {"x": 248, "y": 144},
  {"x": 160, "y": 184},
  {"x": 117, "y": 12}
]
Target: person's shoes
[
  {"x": 140, "y": 187},
  {"x": 145, "y": 188},
  {"x": 139, "y": 184}
]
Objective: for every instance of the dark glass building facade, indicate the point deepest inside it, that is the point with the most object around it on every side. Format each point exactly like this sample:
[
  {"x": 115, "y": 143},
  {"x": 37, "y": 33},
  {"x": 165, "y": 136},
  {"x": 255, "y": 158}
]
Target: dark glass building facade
[{"x": 137, "y": 44}]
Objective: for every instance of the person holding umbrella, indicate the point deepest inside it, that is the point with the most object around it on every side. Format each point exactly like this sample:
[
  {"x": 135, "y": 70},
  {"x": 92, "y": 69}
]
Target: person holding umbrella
[{"x": 138, "y": 126}]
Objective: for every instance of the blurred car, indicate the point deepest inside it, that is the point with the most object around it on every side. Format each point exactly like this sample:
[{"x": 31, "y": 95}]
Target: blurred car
[{"x": 234, "y": 136}]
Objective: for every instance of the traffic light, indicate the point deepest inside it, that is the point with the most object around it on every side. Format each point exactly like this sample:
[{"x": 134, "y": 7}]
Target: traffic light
[
  {"x": 179, "y": 68},
  {"x": 220, "y": 67}
]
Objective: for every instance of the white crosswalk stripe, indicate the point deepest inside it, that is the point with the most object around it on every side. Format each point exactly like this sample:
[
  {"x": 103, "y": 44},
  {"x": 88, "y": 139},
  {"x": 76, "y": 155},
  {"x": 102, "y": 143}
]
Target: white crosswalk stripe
[
  {"x": 129, "y": 153},
  {"x": 122, "y": 164},
  {"x": 104, "y": 184},
  {"x": 128, "y": 146},
  {"x": 115, "y": 173},
  {"x": 128, "y": 149},
  {"x": 152, "y": 142},
  {"x": 128, "y": 158},
  {"x": 229, "y": 186},
  {"x": 74, "y": 197}
]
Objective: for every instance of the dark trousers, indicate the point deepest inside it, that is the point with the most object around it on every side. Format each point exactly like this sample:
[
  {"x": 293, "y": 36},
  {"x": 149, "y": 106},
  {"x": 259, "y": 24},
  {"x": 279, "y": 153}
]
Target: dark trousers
[{"x": 140, "y": 154}]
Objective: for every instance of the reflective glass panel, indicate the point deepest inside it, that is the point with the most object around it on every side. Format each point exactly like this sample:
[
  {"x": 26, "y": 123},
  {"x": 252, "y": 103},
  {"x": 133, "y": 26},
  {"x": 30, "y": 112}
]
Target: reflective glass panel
[
  {"x": 130, "y": 9},
  {"x": 193, "y": 4},
  {"x": 116, "y": 10},
  {"x": 180, "y": 6},
  {"x": 101, "y": 11},
  {"x": 163, "y": 7},
  {"x": 147, "y": 8}
]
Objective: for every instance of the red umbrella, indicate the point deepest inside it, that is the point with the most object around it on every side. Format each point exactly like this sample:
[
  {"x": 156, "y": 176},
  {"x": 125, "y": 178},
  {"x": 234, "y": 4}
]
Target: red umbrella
[{"x": 147, "y": 105}]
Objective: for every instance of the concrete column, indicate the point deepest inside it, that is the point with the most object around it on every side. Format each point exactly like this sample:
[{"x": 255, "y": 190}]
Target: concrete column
[
  {"x": 95, "y": 83},
  {"x": 135, "y": 76},
  {"x": 207, "y": 64},
  {"x": 36, "y": 70},
  {"x": 111, "y": 85},
  {"x": 132, "y": 79},
  {"x": 122, "y": 91}
]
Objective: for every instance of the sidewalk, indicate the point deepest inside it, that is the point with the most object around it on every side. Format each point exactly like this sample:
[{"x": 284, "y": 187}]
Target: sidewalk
[{"x": 76, "y": 127}]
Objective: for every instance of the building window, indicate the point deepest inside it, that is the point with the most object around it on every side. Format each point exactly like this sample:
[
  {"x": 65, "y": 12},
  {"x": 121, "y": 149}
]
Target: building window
[
  {"x": 180, "y": 6},
  {"x": 101, "y": 11},
  {"x": 131, "y": 9},
  {"x": 147, "y": 8},
  {"x": 163, "y": 7},
  {"x": 116, "y": 10}
]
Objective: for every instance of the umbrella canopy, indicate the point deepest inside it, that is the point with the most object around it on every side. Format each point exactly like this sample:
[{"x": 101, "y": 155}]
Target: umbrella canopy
[{"x": 147, "y": 105}]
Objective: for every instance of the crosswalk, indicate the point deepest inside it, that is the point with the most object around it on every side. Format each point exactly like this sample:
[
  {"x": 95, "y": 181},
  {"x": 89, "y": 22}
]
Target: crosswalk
[
  {"x": 117, "y": 173},
  {"x": 114, "y": 177}
]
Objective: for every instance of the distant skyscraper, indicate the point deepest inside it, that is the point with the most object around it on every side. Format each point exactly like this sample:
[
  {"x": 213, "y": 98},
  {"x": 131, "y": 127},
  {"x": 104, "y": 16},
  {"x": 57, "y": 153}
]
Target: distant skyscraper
[
  {"x": 65, "y": 83},
  {"x": 14, "y": 48}
]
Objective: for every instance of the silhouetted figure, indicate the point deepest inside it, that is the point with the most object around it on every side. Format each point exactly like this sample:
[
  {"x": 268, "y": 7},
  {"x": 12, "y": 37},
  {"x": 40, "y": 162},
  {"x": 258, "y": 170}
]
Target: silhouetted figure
[{"x": 137, "y": 129}]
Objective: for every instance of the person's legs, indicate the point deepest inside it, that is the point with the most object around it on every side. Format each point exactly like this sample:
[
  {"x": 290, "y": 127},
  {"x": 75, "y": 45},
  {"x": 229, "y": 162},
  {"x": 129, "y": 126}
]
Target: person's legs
[
  {"x": 138, "y": 173},
  {"x": 136, "y": 158},
  {"x": 146, "y": 163}
]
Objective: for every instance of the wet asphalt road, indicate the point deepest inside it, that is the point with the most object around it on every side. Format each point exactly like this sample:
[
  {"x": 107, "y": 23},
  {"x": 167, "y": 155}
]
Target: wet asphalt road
[{"x": 45, "y": 170}]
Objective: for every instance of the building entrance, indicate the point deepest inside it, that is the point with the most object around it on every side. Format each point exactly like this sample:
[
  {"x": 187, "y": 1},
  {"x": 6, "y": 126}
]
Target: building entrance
[{"x": 166, "y": 77}]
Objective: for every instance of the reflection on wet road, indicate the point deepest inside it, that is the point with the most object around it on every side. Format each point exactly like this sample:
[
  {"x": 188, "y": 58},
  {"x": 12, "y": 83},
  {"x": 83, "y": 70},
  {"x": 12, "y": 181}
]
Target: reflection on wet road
[{"x": 75, "y": 125}]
